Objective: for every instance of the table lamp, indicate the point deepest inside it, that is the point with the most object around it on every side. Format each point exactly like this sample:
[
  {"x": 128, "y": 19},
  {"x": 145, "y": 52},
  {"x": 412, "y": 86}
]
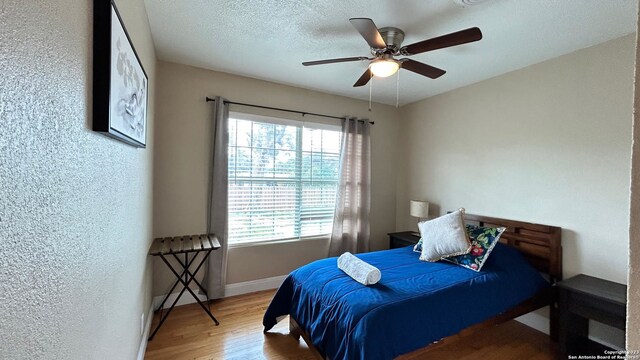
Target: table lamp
[{"x": 419, "y": 209}]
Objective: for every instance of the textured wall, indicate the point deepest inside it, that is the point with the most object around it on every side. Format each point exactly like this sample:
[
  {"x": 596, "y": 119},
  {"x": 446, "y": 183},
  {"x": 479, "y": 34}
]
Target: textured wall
[
  {"x": 633, "y": 294},
  {"x": 182, "y": 158},
  {"x": 548, "y": 144},
  {"x": 75, "y": 206}
]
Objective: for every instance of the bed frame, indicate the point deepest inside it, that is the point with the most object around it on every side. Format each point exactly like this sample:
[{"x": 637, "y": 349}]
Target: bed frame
[{"x": 540, "y": 245}]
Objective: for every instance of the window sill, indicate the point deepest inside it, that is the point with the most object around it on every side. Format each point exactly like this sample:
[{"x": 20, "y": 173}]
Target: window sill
[{"x": 280, "y": 241}]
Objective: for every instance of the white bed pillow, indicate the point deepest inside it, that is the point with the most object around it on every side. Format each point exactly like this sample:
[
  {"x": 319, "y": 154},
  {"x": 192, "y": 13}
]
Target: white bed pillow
[{"x": 444, "y": 236}]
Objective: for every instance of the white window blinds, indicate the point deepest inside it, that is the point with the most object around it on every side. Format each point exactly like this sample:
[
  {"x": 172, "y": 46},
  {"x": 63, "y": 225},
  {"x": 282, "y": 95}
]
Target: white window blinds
[{"x": 283, "y": 177}]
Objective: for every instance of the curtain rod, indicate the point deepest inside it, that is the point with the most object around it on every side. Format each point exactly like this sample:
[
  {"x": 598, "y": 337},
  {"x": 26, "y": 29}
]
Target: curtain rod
[{"x": 303, "y": 113}]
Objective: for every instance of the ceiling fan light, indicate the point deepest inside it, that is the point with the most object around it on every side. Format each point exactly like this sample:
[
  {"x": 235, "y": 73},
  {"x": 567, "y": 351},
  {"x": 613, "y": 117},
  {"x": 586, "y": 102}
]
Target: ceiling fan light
[{"x": 384, "y": 67}]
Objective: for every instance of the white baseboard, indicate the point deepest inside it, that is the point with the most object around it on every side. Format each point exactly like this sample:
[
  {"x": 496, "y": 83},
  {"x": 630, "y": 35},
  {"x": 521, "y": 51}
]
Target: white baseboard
[
  {"x": 229, "y": 290},
  {"x": 185, "y": 299},
  {"x": 605, "y": 342},
  {"x": 253, "y": 286},
  {"x": 610, "y": 337},
  {"x": 145, "y": 334},
  {"x": 538, "y": 320}
]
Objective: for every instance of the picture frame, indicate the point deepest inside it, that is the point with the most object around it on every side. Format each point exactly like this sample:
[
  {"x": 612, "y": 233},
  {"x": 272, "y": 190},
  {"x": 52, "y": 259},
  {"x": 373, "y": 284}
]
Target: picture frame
[{"x": 120, "y": 83}]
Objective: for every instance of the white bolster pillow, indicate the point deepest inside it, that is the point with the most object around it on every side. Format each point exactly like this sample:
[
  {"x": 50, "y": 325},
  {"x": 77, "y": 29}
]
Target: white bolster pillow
[{"x": 359, "y": 270}]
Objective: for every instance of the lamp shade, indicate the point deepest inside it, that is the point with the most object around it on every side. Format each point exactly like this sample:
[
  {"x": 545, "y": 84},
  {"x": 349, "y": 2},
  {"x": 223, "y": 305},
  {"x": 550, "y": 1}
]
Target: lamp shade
[{"x": 419, "y": 208}]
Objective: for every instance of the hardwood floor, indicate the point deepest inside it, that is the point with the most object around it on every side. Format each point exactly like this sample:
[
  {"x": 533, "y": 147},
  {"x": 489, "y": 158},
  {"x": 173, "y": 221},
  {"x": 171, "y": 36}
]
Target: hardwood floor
[{"x": 188, "y": 333}]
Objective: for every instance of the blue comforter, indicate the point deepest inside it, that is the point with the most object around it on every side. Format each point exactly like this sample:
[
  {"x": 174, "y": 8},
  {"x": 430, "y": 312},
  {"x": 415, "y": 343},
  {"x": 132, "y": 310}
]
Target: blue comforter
[{"x": 414, "y": 304}]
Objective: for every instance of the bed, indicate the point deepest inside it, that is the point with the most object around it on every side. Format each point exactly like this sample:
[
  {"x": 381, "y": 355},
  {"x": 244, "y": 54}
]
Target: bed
[{"x": 417, "y": 304}]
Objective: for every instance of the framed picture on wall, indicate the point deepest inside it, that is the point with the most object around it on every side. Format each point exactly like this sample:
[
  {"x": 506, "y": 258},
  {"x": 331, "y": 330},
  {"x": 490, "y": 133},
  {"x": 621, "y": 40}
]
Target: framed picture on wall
[{"x": 120, "y": 84}]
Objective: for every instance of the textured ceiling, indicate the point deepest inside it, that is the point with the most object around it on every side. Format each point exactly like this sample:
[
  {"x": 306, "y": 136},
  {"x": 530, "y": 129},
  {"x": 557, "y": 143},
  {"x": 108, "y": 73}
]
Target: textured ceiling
[{"x": 270, "y": 39}]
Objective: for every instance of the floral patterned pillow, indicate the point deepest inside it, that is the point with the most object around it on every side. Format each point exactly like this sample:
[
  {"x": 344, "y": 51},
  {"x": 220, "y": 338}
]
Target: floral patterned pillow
[
  {"x": 418, "y": 247},
  {"x": 483, "y": 240}
]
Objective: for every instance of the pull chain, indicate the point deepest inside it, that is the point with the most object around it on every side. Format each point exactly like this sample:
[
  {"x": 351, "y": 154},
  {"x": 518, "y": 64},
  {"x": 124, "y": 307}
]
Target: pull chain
[
  {"x": 370, "y": 87},
  {"x": 398, "y": 89}
]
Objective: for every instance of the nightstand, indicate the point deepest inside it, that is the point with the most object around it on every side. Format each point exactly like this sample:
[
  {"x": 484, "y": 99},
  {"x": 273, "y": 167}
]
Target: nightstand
[
  {"x": 583, "y": 298},
  {"x": 402, "y": 239}
]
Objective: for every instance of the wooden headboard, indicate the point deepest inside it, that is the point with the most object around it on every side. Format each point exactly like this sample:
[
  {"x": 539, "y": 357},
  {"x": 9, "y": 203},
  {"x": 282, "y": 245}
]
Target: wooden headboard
[{"x": 540, "y": 244}]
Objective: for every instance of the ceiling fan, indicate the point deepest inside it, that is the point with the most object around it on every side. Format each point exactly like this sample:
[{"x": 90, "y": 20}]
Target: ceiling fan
[{"x": 386, "y": 43}]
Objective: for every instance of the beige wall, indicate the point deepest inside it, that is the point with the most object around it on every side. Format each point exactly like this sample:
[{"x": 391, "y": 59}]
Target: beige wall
[
  {"x": 75, "y": 206},
  {"x": 633, "y": 294},
  {"x": 556, "y": 134},
  {"x": 182, "y": 163},
  {"x": 546, "y": 144}
]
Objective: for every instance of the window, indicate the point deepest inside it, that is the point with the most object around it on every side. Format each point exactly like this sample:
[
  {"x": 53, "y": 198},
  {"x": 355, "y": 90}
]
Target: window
[{"x": 283, "y": 177}]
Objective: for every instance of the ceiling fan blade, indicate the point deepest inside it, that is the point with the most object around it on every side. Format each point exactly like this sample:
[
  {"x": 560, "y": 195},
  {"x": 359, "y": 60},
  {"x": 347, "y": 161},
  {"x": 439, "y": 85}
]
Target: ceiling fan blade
[
  {"x": 364, "y": 79},
  {"x": 422, "y": 69},
  {"x": 369, "y": 32},
  {"x": 331, "y": 61},
  {"x": 453, "y": 39}
]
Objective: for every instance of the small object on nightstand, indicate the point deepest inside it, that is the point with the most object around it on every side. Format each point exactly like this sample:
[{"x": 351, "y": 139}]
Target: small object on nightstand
[
  {"x": 583, "y": 298},
  {"x": 419, "y": 209},
  {"x": 402, "y": 239}
]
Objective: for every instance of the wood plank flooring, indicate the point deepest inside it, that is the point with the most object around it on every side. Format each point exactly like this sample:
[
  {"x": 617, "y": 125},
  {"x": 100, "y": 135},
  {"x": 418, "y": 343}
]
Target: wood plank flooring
[{"x": 188, "y": 333}]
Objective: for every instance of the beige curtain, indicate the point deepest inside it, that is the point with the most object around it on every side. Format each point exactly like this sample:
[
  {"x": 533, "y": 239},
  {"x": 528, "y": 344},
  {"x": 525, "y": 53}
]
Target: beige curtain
[
  {"x": 353, "y": 201},
  {"x": 218, "y": 193}
]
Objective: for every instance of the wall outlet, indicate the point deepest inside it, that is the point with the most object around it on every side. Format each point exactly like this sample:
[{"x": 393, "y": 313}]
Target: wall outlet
[{"x": 141, "y": 324}]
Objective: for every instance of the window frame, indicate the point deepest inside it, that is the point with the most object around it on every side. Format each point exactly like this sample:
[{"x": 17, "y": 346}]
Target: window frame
[{"x": 301, "y": 125}]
